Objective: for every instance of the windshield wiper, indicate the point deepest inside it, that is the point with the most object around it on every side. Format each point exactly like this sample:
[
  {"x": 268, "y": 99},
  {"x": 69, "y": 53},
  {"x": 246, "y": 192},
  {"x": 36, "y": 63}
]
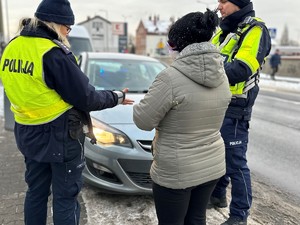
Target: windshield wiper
[{"x": 137, "y": 91}]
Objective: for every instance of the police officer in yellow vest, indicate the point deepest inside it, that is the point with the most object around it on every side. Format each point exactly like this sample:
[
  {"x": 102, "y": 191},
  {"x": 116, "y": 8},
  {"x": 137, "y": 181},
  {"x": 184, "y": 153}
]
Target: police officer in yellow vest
[
  {"x": 244, "y": 42},
  {"x": 51, "y": 99}
]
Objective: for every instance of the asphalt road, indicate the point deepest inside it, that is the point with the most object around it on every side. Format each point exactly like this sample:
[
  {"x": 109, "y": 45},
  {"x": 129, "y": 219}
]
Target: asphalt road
[{"x": 274, "y": 149}]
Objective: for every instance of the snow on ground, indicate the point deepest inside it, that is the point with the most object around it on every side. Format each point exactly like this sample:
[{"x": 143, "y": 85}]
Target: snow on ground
[
  {"x": 271, "y": 206},
  {"x": 286, "y": 83}
]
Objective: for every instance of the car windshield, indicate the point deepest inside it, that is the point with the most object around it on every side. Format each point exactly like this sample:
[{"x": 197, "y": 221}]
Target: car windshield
[{"x": 117, "y": 74}]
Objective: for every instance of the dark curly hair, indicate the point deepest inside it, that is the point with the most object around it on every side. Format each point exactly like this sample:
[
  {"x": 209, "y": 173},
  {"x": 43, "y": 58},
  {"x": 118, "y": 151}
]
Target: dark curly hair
[{"x": 192, "y": 28}]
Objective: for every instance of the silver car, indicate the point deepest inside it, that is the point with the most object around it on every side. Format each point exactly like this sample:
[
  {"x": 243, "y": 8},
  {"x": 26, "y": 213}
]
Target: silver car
[{"x": 120, "y": 161}]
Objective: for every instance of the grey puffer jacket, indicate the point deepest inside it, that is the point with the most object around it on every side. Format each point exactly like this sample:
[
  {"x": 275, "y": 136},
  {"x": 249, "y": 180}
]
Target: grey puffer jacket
[{"x": 186, "y": 105}]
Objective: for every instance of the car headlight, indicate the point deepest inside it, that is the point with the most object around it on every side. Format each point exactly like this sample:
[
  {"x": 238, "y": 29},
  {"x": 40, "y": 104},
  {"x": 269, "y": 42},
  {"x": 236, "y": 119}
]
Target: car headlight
[{"x": 107, "y": 135}]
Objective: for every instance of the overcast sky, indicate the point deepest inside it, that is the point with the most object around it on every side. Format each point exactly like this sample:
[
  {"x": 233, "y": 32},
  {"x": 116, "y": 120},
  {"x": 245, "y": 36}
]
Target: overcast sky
[{"x": 276, "y": 13}]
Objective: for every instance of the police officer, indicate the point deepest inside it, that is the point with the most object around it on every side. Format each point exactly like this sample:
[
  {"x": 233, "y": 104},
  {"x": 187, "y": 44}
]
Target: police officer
[
  {"x": 244, "y": 43},
  {"x": 51, "y": 99}
]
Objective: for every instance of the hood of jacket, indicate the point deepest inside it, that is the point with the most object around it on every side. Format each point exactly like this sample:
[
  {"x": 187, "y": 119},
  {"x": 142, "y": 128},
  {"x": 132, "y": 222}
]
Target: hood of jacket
[{"x": 202, "y": 63}]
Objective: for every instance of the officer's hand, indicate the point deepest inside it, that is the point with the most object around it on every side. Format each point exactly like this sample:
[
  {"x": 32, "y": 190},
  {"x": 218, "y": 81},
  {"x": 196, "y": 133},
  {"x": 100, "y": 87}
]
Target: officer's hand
[{"x": 126, "y": 100}]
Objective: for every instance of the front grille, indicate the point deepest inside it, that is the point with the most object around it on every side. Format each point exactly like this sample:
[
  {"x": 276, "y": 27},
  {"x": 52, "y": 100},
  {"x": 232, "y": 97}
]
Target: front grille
[
  {"x": 138, "y": 171},
  {"x": 141, "y": 179},
  {"x": 146, "y": 145}
]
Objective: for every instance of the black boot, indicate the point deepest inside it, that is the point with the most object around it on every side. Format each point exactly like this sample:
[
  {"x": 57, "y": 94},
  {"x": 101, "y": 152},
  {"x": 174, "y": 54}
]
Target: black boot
[
  {"x": 217, "y": 202},
  {"x": 235, "y": 221}
]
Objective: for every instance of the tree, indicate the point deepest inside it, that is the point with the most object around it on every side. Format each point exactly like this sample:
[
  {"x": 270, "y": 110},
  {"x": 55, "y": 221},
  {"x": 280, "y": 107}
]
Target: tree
[
  {"x": 285, "y": 36},
  {"x": 285, "y": 40}
]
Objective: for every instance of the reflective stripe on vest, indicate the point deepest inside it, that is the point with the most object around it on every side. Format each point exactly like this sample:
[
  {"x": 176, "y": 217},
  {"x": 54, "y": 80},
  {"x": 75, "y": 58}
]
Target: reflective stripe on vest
[
  {"x": 230, "y": 49},
  {"x": 21, "y": 67}
]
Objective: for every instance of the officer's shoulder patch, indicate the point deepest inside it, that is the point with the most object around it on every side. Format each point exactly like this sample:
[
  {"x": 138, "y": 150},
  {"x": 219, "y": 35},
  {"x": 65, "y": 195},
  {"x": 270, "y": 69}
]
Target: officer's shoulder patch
[{"x": 62, "y": 46}]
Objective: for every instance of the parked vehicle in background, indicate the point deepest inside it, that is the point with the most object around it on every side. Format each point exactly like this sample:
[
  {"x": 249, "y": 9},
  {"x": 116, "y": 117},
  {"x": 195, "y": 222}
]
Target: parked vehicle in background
[
  {"x": 80, "y": 40},
  {"x": 120, "y": 161}
]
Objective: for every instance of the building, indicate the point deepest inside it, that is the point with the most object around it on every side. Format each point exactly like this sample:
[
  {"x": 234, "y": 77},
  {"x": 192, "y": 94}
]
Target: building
[
  {"x": 152, "y": 35},
  {"x": 106, "y": 36}
]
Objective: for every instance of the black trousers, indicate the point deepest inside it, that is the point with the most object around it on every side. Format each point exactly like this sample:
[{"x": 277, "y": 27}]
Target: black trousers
[
  {"x": 274, "y": 70},
  {"x": 182, "y": 206},
  {"x": 63, "y": 179}
]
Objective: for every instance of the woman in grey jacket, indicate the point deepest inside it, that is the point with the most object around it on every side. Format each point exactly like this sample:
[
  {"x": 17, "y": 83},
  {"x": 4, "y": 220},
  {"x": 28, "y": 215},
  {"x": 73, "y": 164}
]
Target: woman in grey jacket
[{"x": 186, "y": 105}]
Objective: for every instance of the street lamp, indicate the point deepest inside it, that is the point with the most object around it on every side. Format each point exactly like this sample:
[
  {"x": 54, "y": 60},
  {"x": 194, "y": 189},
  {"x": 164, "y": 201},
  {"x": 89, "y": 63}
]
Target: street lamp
[{"x": 125, "y": 17}]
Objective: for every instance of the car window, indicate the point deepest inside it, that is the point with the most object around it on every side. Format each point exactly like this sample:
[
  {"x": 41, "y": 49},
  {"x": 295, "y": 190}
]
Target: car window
[
  {"x": 79, "y": 45},
  {"x": 118, "y": 74}
]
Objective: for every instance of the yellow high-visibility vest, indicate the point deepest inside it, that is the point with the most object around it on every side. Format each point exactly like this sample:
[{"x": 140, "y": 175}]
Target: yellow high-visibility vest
[
  {"x": 246, "y": 51},
  {"x": 21, "y": 71}
]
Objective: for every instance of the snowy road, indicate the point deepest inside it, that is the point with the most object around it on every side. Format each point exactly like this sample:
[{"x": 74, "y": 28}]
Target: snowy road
[{"x": 274, "y": 139}]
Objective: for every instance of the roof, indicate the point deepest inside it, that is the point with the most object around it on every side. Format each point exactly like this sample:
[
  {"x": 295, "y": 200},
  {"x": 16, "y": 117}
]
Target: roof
[
  {"x": 157, "y": 26},
  {"x": 93, "y": 18}
]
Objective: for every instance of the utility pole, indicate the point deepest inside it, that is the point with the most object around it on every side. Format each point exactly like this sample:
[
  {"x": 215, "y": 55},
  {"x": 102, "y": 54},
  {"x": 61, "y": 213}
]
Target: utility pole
[
  {"x": 1, "y": 23},
  {"x": 8, "y": 116}
]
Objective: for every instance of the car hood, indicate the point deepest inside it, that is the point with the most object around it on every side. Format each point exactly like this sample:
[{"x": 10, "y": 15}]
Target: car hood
[{"x": 120, "y": 114}]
